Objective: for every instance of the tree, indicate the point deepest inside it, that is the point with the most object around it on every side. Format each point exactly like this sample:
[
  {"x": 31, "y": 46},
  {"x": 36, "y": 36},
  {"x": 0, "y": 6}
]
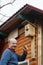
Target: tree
[{"x": 6, "y": 5}]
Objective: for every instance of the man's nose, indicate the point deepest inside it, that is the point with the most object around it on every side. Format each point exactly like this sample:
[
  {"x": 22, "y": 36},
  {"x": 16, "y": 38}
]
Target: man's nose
[{"x": 15, "y": 45}]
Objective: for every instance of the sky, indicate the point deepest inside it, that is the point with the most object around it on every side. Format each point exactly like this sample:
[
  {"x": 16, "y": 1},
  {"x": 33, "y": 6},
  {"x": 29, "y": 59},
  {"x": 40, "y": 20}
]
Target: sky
[
  {"x": 7, "y": 11},
  {"x": 36, "y": 3}
]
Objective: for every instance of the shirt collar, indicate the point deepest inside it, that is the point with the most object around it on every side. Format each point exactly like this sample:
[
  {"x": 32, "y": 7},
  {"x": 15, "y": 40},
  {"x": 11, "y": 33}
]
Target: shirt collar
[{"x": 11, "y": 50}]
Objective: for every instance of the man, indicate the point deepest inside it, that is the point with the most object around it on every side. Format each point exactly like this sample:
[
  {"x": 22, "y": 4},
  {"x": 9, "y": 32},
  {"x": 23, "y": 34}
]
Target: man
[{"x": 9, "y": 57}]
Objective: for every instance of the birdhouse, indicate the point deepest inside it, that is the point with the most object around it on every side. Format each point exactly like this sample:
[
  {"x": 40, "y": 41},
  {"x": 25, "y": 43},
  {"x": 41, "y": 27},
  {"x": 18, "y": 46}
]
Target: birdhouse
[{"x": 29, "y": 30}]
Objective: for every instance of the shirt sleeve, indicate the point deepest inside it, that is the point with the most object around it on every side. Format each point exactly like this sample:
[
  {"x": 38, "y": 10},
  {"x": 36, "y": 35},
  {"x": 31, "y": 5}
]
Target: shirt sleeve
[
  {"x": 5, "y": 58},
  {"x": 22, "y": 57}
]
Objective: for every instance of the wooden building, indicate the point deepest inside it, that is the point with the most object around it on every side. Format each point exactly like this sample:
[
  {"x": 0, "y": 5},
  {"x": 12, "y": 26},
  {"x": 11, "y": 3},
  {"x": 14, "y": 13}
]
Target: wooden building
[{"x": 26, "y": 26}]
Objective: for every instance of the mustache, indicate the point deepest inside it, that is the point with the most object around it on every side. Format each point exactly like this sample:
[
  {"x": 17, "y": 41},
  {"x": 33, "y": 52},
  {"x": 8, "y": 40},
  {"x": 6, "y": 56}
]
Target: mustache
[{"x": 14, "y": 46}]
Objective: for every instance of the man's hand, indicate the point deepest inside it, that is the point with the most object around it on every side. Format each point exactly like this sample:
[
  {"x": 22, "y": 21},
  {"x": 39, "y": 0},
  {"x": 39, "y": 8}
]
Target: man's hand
[{"x": 25, "y": 48}]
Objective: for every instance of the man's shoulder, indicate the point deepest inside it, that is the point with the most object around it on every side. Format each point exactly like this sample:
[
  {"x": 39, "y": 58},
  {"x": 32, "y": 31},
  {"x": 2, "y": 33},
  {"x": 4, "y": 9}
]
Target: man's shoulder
[
  {"x": 6, "y": 51},
  {"x": 6, "y": 54}
]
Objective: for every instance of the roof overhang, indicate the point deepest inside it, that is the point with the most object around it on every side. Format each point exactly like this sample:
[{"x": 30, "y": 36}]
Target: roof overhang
[{"x": 17, "y": 17}]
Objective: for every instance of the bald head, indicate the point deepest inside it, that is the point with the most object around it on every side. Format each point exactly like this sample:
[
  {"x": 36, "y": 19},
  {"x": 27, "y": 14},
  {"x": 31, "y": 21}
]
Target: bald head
[
  {"x": 13, "y": 40},
  {"x": 12, "y": 43}
]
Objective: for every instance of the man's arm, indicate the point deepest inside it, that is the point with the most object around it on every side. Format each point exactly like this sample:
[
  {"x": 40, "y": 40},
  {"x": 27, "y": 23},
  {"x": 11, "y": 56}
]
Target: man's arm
[
  {"x": 5, "y": 58},
  {"x": 23, "y": 56}
]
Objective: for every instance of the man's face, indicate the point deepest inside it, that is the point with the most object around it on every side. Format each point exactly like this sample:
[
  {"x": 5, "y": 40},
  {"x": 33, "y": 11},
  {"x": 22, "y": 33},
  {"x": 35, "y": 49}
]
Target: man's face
[{"x": 13, "y": 44}]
